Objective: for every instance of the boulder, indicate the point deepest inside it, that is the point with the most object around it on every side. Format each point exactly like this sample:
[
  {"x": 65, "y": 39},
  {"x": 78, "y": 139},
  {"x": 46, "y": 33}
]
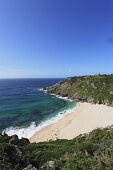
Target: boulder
[
  {"x": 51, "y": 163},
  {"x": 111, "y": 92},
  {"x": 90, "y": 100}
]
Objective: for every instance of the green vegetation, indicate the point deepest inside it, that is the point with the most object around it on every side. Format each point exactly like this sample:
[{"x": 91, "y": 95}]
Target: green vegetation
[
  {"x": 88, "y": 151},
  {"x": 93, "y": 89},
  {"x": 85, "y": 152}
]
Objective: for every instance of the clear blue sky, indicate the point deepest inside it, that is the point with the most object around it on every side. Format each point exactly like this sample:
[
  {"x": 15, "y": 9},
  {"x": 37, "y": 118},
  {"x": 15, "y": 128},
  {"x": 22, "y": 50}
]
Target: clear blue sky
[{"x": 55, "y": 38}]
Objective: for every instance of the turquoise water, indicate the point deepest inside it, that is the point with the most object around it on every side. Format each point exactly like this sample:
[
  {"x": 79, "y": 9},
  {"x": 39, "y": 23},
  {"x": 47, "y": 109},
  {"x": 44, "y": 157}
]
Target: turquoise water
[{"x": 25, "y": 107}]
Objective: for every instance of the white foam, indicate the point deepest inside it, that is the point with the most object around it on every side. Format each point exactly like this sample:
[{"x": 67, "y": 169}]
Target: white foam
[
  {"x": 65, "y": 98},
  {"x": 40, "y": 89},
  {"x": 33, "y": 128},
  {"x": 33, "y": 92},
  {"x": 45, "y": 91},
  {"x": 37, "y": 89},
  {"x": 60, "y": 97}
]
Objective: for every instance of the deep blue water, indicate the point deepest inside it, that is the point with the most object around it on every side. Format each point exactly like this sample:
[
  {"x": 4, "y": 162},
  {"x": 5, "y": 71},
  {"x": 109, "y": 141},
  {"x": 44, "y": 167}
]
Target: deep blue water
[{"x": 23, "y": 101}]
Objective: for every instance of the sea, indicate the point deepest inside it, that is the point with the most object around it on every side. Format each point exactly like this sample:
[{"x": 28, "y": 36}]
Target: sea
[{"x": 26, "y": 108}]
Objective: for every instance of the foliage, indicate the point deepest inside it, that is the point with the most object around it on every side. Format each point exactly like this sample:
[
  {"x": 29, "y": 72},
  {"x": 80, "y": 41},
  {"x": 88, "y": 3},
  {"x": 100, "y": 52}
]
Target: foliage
[
  {"x": 99, "y": 88},
  {"x": 88, "y": 151}
]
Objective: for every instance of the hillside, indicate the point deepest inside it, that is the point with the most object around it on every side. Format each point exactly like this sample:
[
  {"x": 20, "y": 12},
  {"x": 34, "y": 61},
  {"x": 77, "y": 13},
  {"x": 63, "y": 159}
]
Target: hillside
[
  {"x": 92, "y": 89},
  {"x": 88, "y": 151}
]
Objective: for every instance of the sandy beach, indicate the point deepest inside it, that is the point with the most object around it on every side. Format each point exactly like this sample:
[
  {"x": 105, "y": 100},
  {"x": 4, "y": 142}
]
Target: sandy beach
[{"x": 83, "y": 120}]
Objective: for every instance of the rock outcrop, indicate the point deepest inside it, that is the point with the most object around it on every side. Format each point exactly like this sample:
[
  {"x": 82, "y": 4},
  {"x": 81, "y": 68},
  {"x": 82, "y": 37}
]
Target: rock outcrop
[{"x": 85, "y": 89}]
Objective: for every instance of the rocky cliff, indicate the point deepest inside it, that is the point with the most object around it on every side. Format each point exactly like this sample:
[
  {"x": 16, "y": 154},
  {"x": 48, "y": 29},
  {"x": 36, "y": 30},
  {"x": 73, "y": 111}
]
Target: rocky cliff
[{"x": 91, "y": 89}]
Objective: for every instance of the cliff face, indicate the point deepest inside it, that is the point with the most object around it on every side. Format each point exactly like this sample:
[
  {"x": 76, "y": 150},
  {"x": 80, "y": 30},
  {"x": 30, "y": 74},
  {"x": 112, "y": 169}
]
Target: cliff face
[{"x": 91, "y": 89}]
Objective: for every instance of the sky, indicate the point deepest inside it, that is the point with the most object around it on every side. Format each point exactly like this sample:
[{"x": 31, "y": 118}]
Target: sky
[{"x": 55, "y": 38}]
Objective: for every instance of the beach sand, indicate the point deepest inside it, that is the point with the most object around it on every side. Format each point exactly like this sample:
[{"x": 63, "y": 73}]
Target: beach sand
[{"x": 83, "y": 120}]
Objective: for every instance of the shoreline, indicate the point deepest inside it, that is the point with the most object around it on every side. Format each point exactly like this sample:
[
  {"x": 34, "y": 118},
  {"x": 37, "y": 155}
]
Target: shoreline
[
  {"x": 84, "y": 119},
  {"x": 28, "y": 132}
]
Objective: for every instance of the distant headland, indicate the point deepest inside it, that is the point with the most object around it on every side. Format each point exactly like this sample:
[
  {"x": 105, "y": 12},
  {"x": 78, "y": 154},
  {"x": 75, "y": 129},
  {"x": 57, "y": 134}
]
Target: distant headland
[{"x": 92, "y": 89}]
